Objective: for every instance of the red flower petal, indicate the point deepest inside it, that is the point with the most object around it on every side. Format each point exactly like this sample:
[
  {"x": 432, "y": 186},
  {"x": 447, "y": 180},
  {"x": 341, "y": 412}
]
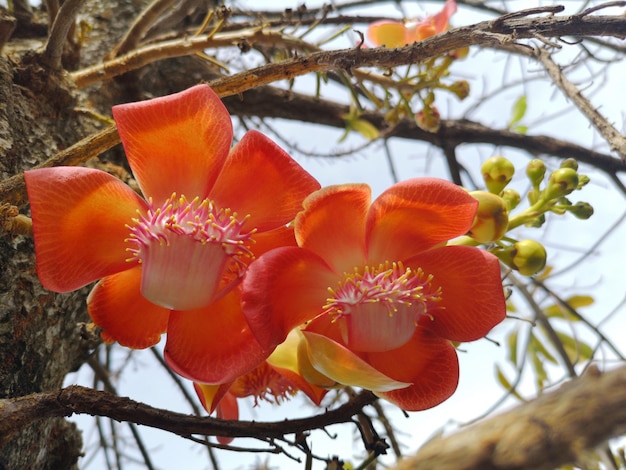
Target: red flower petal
[
  {"x": 212, "y": 345},
  {"x": 125, "y": 316},
  {"x": 282, "y": 289},
  {"x": 227, "y": 409},
  {"x": 428, "y": 362},
  {"x": 266, "y": 241},
  {"x": 415, "y": 215},
  {"x": 332, "y": 225},
  {"x": 176, "y": 143},
  {"x": 472, "y": 294},
  {"x": 261, "y": 180},
  {"x": 79, "y": 217}
]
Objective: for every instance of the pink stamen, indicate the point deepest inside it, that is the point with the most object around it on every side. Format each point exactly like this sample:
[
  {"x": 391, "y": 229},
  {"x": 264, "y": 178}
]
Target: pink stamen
[
  {"x": 379, "y": 308},
  {"x": 189, "y": 252}
]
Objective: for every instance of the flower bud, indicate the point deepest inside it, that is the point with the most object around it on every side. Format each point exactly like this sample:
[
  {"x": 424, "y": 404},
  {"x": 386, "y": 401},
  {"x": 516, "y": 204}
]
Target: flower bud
[
  {"x": 428, "y": 119},
  {"x": 492, "y": 217},
  {"x": 536, "y": 170},
  {"x": 460, "y": 88},
  {"x": 569, "y": 163},
  {"x": 562, "y": 182},
  {"x": 529, "y": 257},
  {"x": 582, "y": 210},
  {"x": 497, "y": 172},
  {"x": 460, "y": 53},
  {"x": 583, "y": 180},
  {"x": 511, "y": 197}
]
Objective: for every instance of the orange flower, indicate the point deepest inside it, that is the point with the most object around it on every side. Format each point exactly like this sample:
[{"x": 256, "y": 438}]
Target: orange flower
[
  {"x": 394, "y": 34},
  {"x": 173, "y": 261},
  {"x": 380, "y": 292},
  {"x": 274, "y": 381}
]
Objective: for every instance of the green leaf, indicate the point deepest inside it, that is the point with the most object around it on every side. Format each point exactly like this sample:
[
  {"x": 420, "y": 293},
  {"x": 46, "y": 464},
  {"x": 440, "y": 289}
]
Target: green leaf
[
  {"x": 518, "y": 112},
  {"x": 541, "y": 349},
  {"x": 540, "y": 371},
  {"x": 506, "y": 384},
  {"x": 511, "y": 341},
  {"x": 520, "y": 129},
  {"x": 575, "y": 301},
  {"x": 576, "y": 349},
  {"x": 365, "y": 128}
]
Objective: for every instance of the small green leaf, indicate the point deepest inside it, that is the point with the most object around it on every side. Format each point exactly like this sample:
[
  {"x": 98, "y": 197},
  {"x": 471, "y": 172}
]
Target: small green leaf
[
  {"x": 512, "y": 345},
  {"x": 518, "y": 112},
  {"x": 576, "y": 349},
  {"x": 506, "y": 384},
  {"x": 520, "y": 129},
  {"x": 365, "y": 128},
  {"x": 541, "y": 349},
  {"x": 540, "y": 371},
  {"x": 575, "y": 301}
]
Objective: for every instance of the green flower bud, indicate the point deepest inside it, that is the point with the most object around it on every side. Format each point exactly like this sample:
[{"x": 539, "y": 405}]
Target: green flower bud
[
  {"x": 497, "y": 172},
  {"x": 460, "y": 88},
  {"x": 492, "y": 217},
  {"x": 582, "y": 181},
  {"x": 582, "y": 210},
  {"x": 562, "y": 182},
  {"x": 511, "y": 197},
  {"x": 569, "y": 163},
  {"x": 536, "y": 170},
  {"x": 529, "y": 257}
]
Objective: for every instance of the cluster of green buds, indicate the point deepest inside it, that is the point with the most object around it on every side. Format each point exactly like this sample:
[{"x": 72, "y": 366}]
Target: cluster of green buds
[{"x": 547, "y": 194}]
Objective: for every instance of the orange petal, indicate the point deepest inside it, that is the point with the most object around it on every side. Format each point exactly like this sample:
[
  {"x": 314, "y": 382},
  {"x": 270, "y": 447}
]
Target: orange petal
[
  {"x": 415, "y": 215},
  {"x": 261, "y": 180},
  {"x": 390, "y": 34},
  {"x": 125, "y": 316},
  {"x": 227, "y": 409},
  {"x": 211, "y": 395},
  {"x": 345, "y": 367},
  {"x": 332, "y": 225},
  {"x": 428, "y": 362},
  {"x": 79, "y": 217},
  {"x": 282, "y": 289},
  {"x": 212, "y": 345},
  {"x": 266, "y": 241},
  {"x": 472, "y": 294},
  {"x": 176, "y": 143},
  {"x": 284, "y": 360}
]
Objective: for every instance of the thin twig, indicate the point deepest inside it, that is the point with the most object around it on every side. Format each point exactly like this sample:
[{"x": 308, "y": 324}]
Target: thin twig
[{"x": 615, "y": 139}]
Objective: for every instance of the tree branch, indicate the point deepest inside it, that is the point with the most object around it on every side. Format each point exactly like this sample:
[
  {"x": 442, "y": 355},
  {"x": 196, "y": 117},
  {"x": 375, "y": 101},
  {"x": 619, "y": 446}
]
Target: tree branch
[
  {"x": 543, "y": 434},
  {"x": 615, "y": 139},
  {"x": 487, "y": 33},
  {"x": 17, "y": 413}
]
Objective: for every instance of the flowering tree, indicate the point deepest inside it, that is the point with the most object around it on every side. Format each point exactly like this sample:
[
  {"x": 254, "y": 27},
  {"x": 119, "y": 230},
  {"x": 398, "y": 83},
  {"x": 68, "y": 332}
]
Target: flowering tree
[{"x": 209, "y": 238}]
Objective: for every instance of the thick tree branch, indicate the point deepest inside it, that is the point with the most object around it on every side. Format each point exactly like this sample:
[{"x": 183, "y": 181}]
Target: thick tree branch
[
  {"x": 543, "y": 434},
  {"x": 16, "y": 413},
  {"x": 488, "y": 33}
]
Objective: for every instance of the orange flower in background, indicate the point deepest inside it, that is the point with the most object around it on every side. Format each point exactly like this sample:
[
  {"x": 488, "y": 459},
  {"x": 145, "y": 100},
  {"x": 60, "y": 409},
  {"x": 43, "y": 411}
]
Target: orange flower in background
[
  {"x": 394, "y": 34},
  {"x": 274, "y": 381},
  {"x": 208, "y": 211},
  {"x": 381, "y": 294}
]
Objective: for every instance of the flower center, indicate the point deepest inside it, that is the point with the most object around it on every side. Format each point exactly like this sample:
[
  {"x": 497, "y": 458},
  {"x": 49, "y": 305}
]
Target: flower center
[
  {"x": 377, "y": 309},
  {"x": 263, "y": 383},
  {"x": 191, "y": 252}
]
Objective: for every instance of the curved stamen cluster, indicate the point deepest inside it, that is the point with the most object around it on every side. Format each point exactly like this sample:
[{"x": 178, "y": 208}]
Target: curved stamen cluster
[
  {"x": 192, "y": 252},
  {"x": 199, "y": 220},
  {"x": 391, "y": 286},
  {"x": 263, "y": 383}
]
